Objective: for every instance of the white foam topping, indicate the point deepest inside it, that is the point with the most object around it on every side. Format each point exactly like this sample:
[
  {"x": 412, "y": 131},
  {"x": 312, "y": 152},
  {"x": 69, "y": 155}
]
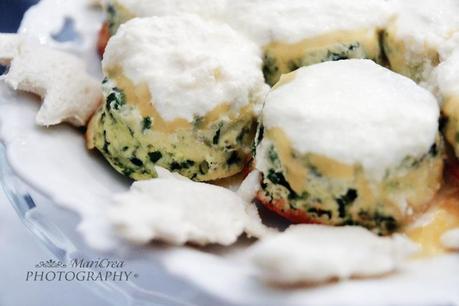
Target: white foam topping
[
  {"x": 450, "y": 239},
  {"x": 190, "y": 65},
  {"x": 446, "y": 77},
  {"x": 429, "y": 22},
  {"x": 294, "y": 20},
  {"x": 317, "y": 253},
  {"x": 177, "y": 210},
  {"x": 356, "y": 112},
  {"x": 149, "y": 8},
  {"x": 69, "y": 93}
]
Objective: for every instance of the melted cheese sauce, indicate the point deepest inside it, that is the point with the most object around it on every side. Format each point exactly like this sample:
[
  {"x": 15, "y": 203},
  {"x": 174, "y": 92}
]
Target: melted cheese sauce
[
  {"x": 313, "y": 50},
  {"x": 415, "y": 64},
  {"x": 441, "y": 217},
  {"x": 296, "y": 171},
  {"x": 140, "y": 97}
]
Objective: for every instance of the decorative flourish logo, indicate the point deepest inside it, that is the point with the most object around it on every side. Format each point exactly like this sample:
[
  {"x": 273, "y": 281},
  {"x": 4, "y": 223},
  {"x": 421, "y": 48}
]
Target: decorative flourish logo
[
  {"x": 80, "y": 269},
  {"x": 50, "y": 263}
]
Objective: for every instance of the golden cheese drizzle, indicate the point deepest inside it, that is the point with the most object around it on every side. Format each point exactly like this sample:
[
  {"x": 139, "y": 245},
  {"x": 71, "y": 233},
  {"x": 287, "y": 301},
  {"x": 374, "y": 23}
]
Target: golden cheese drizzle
[
  {"x": 295, "y": 171},
  {"x": 398, "y": 52},
  {"x": 140, "y": 97},
  {"x": 285, "y": 52},
  {"x": 451, "y": 106},
  {"x": 285, "y": 79},
  {"x": 442, "y": 216}
]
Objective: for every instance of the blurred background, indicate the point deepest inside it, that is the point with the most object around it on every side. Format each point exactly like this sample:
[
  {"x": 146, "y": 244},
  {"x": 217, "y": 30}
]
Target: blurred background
[
  {"x": 11, "y": 12},
  {"x": 19, "y": 251}
]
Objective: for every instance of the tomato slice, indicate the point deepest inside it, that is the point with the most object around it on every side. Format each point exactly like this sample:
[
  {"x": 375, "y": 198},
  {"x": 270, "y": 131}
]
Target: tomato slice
[
  {"x": 279, "y": 207},
  {"x": 104, "y": 36}
]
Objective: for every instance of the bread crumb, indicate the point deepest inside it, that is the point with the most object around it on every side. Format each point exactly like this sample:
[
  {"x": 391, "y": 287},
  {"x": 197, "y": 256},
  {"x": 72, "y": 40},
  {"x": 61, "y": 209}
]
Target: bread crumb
[{"x": 69, "y": 93}]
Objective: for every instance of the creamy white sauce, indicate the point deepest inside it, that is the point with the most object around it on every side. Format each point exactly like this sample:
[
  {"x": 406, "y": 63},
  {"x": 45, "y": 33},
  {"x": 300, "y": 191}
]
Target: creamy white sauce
[
  {"x": 355, "y": 112},
  {"x": 178, "y": 211},
  {"x": 450, "y": 239},
  {"x": 149, "y": 8},
  {"x": 190, "y": 65},
  {"x": 427, "y": 22},
  {"x": 316, "y": 253},
  {"x": 69, "y": 93},
  {"x": 290, "y": 21}
]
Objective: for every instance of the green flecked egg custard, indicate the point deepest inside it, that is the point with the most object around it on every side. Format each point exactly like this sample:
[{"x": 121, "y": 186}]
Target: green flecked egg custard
[
  {"x": 413, "y": 41},
  {"x": 297, "y": 33},
  {"x": 181, "y": 93},
  {"x": 349, "y": 142}
]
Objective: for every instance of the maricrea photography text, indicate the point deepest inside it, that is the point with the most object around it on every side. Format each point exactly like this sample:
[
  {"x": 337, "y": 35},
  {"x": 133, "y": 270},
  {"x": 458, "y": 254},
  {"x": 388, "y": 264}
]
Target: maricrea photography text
[{"x": 80, "y": 270}]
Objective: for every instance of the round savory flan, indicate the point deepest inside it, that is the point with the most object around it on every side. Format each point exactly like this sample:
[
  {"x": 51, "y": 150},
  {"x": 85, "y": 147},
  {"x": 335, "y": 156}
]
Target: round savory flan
[
  {"x": 120, "y": 11},
  {"x": 349, "y": 142},
  {"x": 181, "y": 93},
  {"x": 413, "y": 41},
  {"x": 296, "y": 33}
]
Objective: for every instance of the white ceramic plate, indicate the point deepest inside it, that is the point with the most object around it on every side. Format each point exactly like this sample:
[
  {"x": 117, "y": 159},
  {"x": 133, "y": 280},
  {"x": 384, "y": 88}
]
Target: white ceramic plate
[{"x": 61, "y": 191}]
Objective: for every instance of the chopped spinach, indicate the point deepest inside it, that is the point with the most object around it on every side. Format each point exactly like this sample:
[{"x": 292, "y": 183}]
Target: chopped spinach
[
  {"x": 295, "y": 64},
  {"x": 127, "y": 172},
  {"x": 433, "y": 150},
  {"x": 155, "y": 156},
  {"x": 115, "y": 99},
  {"x": 197, "y": 121},
  {"x": 278, "y": 178},
  {"x": 272, "y": 155},
  {"x": 442, "y": 123},
  {"x": 386, "y": 223},
  {"x": 204, "y": 167},
  {"x": 136, "y": 161},
  {"x": 177, "y": 166},
  {"x": 146, "y": 124},
  {"x": 270, "y": 70},
  {"x": 233, "y": 159},
  {"x": 106, "y": 143},
  {"x": 344, "y": 52},
  {"x": 216, "y": 138},
  {"x": 345, "y": 201},
  {"x": 320, "y": 212},
  {"x": 242, "y": 134}
]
